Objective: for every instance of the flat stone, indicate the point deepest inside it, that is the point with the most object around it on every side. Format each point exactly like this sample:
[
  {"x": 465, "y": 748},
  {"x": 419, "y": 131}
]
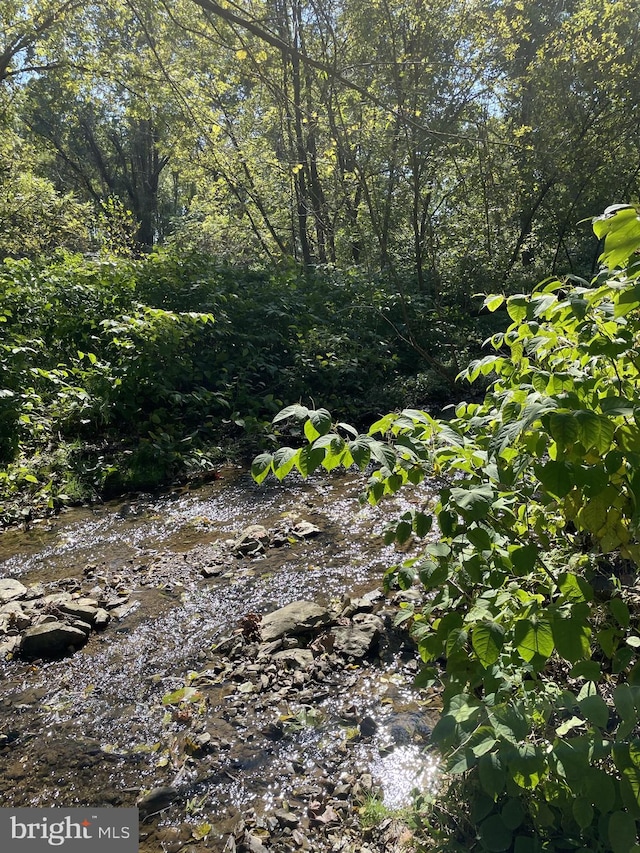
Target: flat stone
[
  {"x": 58, "y": 598},
  {"x": 286, "y": 818},
  {"x": 299, "y": 617},
  {"x": 156, "y": 800},
  {"x": 76, "y": 610},
  {"x": 305, "y": 530},
  {"x": 11, "y": 589},
  {"x": 294, "y": 658},
  {"x": 50, "y": 639}
]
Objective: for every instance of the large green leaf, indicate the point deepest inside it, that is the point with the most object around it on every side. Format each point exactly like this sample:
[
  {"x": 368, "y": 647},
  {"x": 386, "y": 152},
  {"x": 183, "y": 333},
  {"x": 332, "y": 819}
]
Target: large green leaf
[
  {"x": 487, "y": 639},
  {"x": 473, "y": 502},
  {"x": 261, "y": 466},
  {"x": 495, "y": 834},
  {"x": 534, "y": 637},
  {"x": 317, "y": 424},
  {"x": 283, "y": 461},
  {"x": 619, "y": 226},
  {"x": 558, "y": 478}
]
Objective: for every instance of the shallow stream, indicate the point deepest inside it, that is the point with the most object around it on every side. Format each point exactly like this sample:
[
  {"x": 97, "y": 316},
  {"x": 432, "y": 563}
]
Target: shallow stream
[{"x": 92, "y": 728}]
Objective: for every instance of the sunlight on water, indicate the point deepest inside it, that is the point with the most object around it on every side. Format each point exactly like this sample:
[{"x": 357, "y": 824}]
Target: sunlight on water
[{"x": 403, "y": 771}]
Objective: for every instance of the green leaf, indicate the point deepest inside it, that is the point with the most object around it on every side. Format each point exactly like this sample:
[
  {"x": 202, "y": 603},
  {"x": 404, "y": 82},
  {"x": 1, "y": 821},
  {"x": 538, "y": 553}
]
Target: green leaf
[
  {"x": 493, "y": 302},
  {"x": 619, "y": 225},
  {"x": 487, "y": 639},
  {"x": 318, "y": 423},
  {"x": 495, "y": 834},
  {"x": 283, "y": 461},
  {"x": 571, "y": 637},
  {"x": 492, "y": 775},
  {"x": 296, "y": 411},
  {"x": 523, "y": 558},
  {"x": 556, "y": 477},
  {"x": 587, "y": 669},
  {"x": 183, "y": 694},
  {"x": 534, "y": 637},
  {"x": 309, "y": 459},
  {"x": 513, "y": 813},
  {"x": 261, "y": 466},
  {"x": 568, "y": 725},
  {"x": 517, "y": 307},
  {"x": 595, "y": 709},
  {"x": 564, "y": 428},
  {"x": 422, "y": 524},
  {"x": 473, "y": 502},
  {"x": 619, "y": 611},
  {"x": 582, "y": 812},
  {"x": 509, "y": 723},
  {"x": 360, "y": 449},
  {"x": 622, "y": 832}
]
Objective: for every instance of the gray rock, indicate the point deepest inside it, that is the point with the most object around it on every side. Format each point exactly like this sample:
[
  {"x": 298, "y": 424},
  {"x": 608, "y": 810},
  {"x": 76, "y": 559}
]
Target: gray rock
[
  {"x": 252, "y": 540},
  {"x": 156, "y": 800},
  {"x": 9, "y": 647},
  {"x": 50, "y": 639},
  {"x": 78, "y": 611},
  {"x": 253, "y": 844},
  {"x": 286, "y": 818},
  {"x": 294, "y": 658},
  {"x": 357, "y": 640},
  {"x": 305, "y": 530},
  {"x": 299, "y": 617},
  {"x": 15, "y": 615},
  {"x": 101, "y": 619},
  {"x": 11, "y": 589}
]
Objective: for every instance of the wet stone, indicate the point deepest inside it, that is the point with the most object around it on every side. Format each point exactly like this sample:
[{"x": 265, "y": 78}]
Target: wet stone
[
  {"x": 299, "y": 617},
  {"x": 11, "y": 589},
  {"x": 156, "y": 800},
  {"x": 286, "y": 818},
  {"x": 50, "y": 640}
]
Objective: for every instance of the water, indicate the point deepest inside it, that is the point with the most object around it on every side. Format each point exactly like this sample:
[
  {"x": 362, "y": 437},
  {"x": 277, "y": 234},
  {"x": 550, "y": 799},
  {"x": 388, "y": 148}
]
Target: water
[{"x": 92, "y": 729}]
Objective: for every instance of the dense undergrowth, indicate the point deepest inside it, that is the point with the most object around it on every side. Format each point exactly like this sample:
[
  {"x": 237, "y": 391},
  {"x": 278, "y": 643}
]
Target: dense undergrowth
[
  {"x": 530, "y": 618},
  {"x": 122, "y": 374}
]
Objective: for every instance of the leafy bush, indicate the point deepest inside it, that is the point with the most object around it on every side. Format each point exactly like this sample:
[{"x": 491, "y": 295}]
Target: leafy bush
[
  {"x": 168, "y": 356},
  {"x": 529, "y": 623}
]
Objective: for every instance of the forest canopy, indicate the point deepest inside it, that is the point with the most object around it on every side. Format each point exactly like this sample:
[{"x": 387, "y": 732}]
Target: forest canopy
[{"x": 455, "y": 142}]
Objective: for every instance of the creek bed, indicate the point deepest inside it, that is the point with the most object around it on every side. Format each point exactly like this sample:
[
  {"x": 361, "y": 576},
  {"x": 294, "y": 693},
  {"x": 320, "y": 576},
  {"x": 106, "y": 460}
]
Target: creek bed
[{"x": 250, "y": 746}]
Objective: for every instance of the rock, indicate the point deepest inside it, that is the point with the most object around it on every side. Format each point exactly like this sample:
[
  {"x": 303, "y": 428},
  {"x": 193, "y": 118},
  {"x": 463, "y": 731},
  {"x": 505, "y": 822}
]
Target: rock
[
  {"x": 368, "y": 727},
  {"x": 294, "y": 658},
  {"x": 286, "y": 818},
  {"x": 78, "y": 611},
  {"x": 273, "y": 731},
  {"x": 50, "y": 640},
  {"x": 11, "y": 589},
  {"x": 253, "y": 844},
  {"x": 299, "y": 617},
  {"x": 156, "y": 800},
  {"x": 305, "y": 530},
  {"x": 9, "y": 647},
  {"x": 253, "y": 540},
  {"x": 124, "y": 609},
  {"x": 350, "y": 606},
  {"x": 101, "y": 619},
  {"x": 356, "y": 640},
  {"x": 14, "y": 614}
]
